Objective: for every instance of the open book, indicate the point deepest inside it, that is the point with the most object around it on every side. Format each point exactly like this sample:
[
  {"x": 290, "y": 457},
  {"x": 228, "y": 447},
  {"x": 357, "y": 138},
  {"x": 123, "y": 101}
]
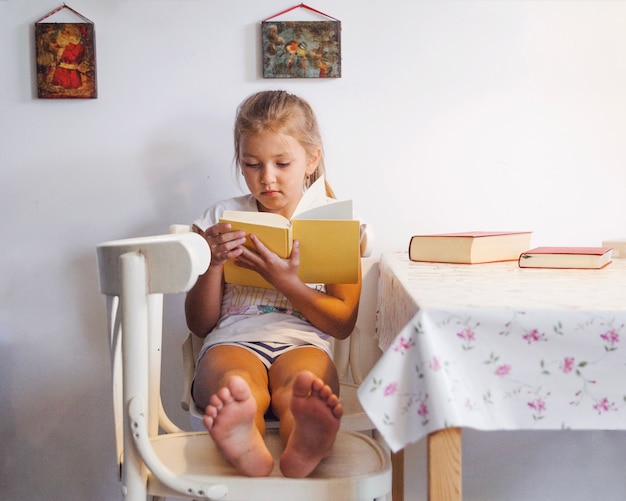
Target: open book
[{"x": 329, "y": 239}]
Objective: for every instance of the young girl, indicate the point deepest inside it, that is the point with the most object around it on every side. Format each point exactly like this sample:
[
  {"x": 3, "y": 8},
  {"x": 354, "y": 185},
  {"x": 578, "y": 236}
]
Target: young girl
[{"x": 265, "y": 349}]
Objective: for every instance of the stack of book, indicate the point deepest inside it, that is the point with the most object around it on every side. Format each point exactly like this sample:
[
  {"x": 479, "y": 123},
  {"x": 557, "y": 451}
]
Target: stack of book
[{"x": 491, "y": 246}]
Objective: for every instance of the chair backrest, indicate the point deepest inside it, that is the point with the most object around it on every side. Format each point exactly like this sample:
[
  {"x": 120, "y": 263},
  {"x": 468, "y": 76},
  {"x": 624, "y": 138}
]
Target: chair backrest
[{"x": 134, "y": 278}]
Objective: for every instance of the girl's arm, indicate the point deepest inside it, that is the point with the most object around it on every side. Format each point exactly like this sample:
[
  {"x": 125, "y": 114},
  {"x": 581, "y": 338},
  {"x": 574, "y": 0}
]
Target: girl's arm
[
  {"x": 203, "y": 301},
  {"x": 333, "y": 312}
]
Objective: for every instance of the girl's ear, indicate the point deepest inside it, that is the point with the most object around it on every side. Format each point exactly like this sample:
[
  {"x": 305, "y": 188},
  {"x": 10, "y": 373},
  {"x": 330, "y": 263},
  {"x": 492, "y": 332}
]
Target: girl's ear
[{"x": 313, "y": 160}]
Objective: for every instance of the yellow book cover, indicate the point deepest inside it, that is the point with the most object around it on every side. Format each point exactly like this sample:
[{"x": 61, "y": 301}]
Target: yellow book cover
[{"x": 329, "y": 239}]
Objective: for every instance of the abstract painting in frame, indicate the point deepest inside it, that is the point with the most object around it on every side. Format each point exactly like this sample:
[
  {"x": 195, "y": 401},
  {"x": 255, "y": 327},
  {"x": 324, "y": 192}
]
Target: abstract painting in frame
[
  {"x": 301, "y": 49},
  {"x": 66, "y": 60}
]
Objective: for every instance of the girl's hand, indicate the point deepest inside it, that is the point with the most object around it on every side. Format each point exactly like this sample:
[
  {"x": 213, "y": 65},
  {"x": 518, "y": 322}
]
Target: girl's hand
[
  {"x": 224, "y": 244},
  {"x": 277, "y": 271}
]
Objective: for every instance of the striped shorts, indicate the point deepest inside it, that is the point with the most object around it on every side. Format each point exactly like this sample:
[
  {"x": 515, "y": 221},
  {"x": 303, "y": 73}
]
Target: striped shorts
[{"x": 266, "y": 352}]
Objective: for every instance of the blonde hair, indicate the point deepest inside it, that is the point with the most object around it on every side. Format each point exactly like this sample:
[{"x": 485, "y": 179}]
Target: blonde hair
[{"x": 280, "y": 111}]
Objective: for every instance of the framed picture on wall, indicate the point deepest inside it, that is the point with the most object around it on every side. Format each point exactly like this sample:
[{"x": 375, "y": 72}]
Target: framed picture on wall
[
  {"x": 65, "y": 59},
  {"x": 301, "y": 49}
]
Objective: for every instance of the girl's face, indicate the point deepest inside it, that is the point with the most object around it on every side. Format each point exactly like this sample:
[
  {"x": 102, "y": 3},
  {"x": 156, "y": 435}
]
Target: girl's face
[{"x": 275, "y": 166}]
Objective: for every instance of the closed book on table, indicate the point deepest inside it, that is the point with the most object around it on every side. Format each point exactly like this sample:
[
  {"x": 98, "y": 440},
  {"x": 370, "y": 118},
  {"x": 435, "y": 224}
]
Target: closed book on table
[
  {"x": 471, "y": 247},
  {"x": 566, "y": 257}
]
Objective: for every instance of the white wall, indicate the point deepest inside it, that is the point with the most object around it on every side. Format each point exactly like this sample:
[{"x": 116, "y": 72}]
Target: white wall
[{"x": 451, "y": 115}]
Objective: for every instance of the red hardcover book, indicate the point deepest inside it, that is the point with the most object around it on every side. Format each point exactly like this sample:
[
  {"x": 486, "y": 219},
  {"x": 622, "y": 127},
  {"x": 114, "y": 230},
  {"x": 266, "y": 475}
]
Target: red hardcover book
[{"x": 566, "y": 257}]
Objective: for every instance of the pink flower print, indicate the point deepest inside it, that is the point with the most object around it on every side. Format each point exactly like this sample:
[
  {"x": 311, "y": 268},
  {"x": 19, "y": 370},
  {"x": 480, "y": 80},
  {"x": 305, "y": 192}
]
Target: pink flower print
[
  {"x": 468, "y": 336},
  {"x": 390, "y": 389},
  {"x": 422, "y": 409},
  {"x": 503, "y": 370},
  {"x": 539, "y": 406},
  {"x": 612, "y": 338},
  {"x": 604, "y": 406},
  {"x": 404, "y": 345},
  {"x": 567, "y": 365},
  {"x": 534, "y": 336},
  {"x": 435, "y": 365}
]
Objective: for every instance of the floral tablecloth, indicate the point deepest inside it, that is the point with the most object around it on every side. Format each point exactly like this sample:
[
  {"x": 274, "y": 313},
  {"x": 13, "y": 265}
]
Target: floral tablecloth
[{"x": 496, "y": 347}]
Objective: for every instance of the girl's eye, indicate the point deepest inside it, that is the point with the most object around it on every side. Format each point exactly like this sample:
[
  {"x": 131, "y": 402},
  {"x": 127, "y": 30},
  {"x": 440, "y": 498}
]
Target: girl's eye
[
  {"x": 283, "y": 164},
  {"x": 251, "y": 165}
]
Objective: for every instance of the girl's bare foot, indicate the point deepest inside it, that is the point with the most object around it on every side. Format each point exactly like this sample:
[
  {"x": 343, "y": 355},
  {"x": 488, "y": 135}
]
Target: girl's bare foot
[
  {"x": 317, "y": 415},
  {"x": 229, "y": 418}
]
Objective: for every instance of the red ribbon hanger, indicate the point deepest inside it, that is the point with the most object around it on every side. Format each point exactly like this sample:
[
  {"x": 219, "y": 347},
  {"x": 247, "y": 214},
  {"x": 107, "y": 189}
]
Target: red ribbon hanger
[
  {"x": 58, "y": 9},
  {"x": 303, "y": 6}
]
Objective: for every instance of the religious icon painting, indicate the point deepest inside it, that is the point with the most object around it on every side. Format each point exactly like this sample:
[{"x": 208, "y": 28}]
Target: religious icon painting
[
  {"x": 301, "y": 49},
  {"x": 66, "y": 60}
]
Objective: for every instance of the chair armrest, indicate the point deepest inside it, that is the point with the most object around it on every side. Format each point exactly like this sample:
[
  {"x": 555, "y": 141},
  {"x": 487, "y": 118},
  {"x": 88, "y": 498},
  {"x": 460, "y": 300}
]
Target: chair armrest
[
  {"x": 178, "y": 483},
  {"x": 189, "y": 250}
]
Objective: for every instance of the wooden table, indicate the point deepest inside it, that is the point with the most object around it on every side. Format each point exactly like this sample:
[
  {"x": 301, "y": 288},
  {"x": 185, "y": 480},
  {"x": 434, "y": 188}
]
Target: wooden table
[{"x": 494, "y": 347}]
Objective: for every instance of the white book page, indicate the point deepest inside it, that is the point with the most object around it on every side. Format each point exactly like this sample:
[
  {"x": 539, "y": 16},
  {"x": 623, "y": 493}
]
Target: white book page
[
  {"x": 331, "y": 210},
  {"x": 313, "y": 197},
  {"x": 316, "y": 205}
]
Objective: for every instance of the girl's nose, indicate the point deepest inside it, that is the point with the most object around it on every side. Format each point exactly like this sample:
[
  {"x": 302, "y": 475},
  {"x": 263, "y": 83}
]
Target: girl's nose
[{"x": 268, "y": 176}]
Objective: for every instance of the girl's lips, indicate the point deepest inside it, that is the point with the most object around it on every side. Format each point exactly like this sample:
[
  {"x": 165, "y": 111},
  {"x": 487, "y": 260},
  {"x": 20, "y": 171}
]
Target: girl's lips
[{"x": 270, "y": 193}]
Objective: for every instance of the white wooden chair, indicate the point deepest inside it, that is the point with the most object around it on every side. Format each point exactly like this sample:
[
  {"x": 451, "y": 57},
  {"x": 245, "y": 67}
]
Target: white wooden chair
[{"x": 134, "y": 274}]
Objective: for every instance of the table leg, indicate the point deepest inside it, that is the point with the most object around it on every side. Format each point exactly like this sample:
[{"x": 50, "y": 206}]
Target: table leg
[
  {"x": 397, "y": 476},
  {"x": 444, "y": 465}
]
